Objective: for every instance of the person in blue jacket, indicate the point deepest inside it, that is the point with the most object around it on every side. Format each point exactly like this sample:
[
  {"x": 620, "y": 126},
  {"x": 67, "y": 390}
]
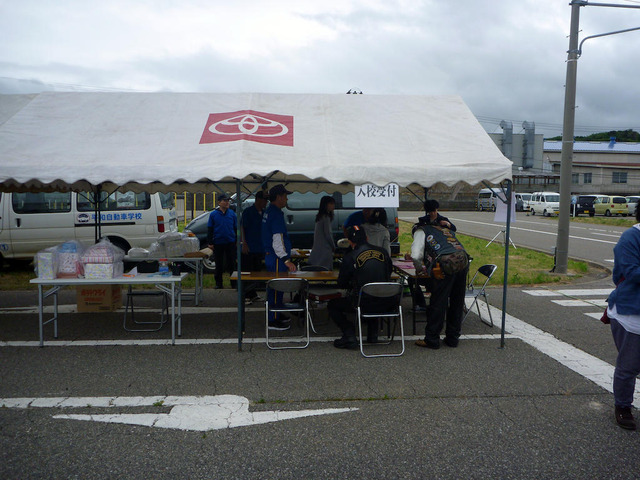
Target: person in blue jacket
[
  {"x": 624, "y": 311},
  {"x": 252, "y": 248},
  {"x": 221, "y": 237},
  {"x": 277, "y": 247}
]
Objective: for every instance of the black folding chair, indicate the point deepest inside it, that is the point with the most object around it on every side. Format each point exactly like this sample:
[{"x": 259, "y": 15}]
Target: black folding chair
[{"x": 474, "y": 292}]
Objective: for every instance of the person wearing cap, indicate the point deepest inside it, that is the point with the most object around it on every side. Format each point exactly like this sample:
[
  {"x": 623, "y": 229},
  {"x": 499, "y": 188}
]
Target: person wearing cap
[
  {"x": 446, "y": 304},
  {"x": 277, "y": 247},
  {"x": 357, "y": 218},
  {"x": 221, "y": 236},
  {"x": 364, "y": 263},
  {"x": 252, "y": 249},
  {"x": 431, "y": 217}
]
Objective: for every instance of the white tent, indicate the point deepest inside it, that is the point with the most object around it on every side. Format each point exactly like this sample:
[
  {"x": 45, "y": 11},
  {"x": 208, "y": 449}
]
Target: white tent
[
  {"x": 201, "y": 142},
  {"x": 186, "y": 141}
]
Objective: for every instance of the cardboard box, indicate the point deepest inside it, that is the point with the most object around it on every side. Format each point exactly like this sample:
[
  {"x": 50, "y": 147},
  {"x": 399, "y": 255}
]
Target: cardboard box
[{"x": 99, "y": 298}]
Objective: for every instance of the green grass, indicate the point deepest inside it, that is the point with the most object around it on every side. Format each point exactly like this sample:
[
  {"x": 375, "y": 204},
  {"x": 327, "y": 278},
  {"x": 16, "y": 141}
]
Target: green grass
[
  {"x": 526, "y": 267},
  {"x": 602, "y": 220}
]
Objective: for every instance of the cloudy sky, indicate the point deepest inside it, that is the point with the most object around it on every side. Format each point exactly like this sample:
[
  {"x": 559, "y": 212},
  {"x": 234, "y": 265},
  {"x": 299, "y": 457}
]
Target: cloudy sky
[{"x": 505, "y": 58}]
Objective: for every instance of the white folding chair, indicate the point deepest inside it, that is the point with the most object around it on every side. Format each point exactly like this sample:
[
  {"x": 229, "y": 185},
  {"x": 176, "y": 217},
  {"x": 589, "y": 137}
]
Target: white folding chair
[
  {"x": 474, "y": 292},
  {"x": 381, "y": 300},
  {"x": 298, "y": 289}
]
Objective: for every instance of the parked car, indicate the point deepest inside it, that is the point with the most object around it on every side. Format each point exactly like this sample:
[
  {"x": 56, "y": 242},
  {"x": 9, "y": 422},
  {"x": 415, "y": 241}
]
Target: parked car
[
  {"x": 300, "y": 216},
  {"x": 611, "y": 205},
  {"x": 487, "y": 199},
  {"x": 546, "y": 203},
  {"x": 632, "y": 205},
  {"x": 582, "y": 204},
  {"x": 524, "y": 198}
]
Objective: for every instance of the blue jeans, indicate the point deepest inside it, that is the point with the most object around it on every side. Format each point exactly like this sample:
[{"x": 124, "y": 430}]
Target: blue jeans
[{"x": 627, "y": 364}]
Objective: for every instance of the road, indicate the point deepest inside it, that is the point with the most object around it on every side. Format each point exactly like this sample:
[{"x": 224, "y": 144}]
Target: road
[
  {"x": 589, "y": 242},
  {"x": 102, "y": 403}
]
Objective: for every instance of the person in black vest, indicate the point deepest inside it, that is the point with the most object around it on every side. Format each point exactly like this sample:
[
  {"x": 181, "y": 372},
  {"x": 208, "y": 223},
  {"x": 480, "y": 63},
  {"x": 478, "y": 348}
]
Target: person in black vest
[
  {"x": 448, "y": 291},
  {"x": 432, "y": 217},
  {"x": 364, "y": 264}
]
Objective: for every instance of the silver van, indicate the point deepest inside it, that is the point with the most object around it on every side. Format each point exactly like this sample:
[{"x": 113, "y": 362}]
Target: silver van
[{"x": 30, "y": 222}]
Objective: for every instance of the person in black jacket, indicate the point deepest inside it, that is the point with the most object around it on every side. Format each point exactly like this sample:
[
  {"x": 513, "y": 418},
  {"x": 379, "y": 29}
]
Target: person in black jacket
[
  {"x": 432, "y": 217},
  {"x": 365, "y": 263}
]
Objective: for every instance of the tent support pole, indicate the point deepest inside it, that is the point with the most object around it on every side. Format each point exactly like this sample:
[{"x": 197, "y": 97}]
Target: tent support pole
[
  {"x": 241, "y": 311},
  {"x": 97, "y": 225},
  {"x": 506, "y": 265}
]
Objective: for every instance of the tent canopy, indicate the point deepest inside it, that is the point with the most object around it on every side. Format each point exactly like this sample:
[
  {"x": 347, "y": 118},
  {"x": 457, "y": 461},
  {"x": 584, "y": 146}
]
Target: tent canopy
[{"x": 191, "y": 141}]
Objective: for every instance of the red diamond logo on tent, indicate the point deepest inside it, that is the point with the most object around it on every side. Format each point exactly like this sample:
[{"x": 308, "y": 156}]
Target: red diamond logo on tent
[{"x": 249, "y": 125}]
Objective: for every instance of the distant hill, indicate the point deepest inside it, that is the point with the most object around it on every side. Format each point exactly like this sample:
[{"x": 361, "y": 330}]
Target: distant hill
[{"x": 621, "y": 136}]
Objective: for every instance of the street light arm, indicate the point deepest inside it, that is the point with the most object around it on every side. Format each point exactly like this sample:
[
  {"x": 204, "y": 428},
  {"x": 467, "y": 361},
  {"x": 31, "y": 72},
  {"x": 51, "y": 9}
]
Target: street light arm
[{"x": 603, "y": 35}]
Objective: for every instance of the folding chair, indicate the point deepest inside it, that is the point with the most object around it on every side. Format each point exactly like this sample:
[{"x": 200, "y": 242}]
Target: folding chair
[
  {"x": 319, "y": 294},
  {"x": 164, "y": 310},
  {"x": 474, "y": 292},
  {"x": 298, "y": 290},
  {"x": 389, "y": 294}
]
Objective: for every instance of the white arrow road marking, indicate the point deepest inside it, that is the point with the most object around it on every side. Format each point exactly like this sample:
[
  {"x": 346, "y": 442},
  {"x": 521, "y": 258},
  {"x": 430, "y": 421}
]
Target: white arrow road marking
[{"x": 188, "y": 413}]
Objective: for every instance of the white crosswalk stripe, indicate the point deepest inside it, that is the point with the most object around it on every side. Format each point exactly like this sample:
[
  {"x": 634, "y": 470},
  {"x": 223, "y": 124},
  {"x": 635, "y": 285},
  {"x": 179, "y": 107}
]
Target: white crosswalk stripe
[{"x": 598, "y": 298}]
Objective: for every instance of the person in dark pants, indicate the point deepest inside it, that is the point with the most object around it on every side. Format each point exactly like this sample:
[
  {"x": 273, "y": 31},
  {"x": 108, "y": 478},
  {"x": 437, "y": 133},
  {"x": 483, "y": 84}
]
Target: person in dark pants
[
  {"x": 221, "y": 236},
  {"x": 277, "y": 248},
  {"x": 431, "y": 217},
  {"x": 431, "y": 243},
  {"x": 624, "y": 311},
  {"x": 365, "y": 263},
  {"x": 252, "y": 248}
]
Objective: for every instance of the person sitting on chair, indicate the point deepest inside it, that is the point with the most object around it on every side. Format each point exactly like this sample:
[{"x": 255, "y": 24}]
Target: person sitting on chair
[{"x": 364, "y": 264}]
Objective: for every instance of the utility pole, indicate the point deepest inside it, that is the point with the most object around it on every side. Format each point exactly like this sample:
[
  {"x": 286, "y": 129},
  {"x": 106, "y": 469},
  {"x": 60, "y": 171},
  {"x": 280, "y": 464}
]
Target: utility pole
[{"x": 568, "y": 126}]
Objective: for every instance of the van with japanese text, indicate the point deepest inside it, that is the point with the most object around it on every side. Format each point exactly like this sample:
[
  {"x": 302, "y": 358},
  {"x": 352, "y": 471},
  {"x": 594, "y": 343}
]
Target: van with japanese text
[{"x": 32, "y": 221}]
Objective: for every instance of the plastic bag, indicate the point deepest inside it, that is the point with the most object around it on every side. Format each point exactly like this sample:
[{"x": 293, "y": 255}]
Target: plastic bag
[
  {"x": 103, "y": 252},
  {"x": 137, "y": 252},
  {"x": 69, "y": 259}
]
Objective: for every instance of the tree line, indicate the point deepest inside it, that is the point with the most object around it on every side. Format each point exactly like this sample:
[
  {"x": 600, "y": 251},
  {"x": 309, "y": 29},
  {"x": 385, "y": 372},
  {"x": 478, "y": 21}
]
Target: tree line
[{"x": 620, "y": 135}]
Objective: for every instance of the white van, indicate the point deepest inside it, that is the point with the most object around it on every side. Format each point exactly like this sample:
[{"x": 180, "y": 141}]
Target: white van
[
  {"x": 545, "y": 203},
  {"x": 487, "y": 199},
  {"x": 30, "y": 222},
  {"x": 523, "y": 200}
]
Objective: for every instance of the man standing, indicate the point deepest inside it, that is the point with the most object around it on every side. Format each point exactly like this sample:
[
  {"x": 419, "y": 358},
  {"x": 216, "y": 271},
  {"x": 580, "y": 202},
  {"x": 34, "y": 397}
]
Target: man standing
[
  {"x": 252, "y": 248},
  {"x": 435, "y": 245},
  {"x": 277, "y": 247},
  {"x": 431, "y": 217},
  {"x": 221, "y": 236},
  {"x": 364, "y": 264}
]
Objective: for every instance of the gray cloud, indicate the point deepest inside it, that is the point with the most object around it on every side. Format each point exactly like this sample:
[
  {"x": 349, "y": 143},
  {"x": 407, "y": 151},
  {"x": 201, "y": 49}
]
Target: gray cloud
[{"x": 505, "y": 59}]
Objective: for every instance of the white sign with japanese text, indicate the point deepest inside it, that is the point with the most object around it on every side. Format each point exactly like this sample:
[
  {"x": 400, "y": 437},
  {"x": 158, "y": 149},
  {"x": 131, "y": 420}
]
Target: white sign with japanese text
[{"x": 372, "y": 196}]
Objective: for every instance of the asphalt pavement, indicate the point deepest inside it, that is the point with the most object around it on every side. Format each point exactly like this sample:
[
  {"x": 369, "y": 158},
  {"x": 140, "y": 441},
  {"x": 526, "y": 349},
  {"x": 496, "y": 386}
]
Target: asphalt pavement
[{"x": 99, "y": 402}]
